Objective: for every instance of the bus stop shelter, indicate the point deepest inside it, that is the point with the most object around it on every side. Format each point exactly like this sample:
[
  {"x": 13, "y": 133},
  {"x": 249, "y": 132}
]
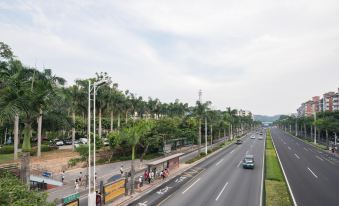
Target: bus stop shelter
[{"x": 170, "y": 162}]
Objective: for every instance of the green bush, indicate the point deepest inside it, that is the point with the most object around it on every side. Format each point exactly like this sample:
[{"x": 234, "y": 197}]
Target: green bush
[
  {"x": 72, "y": 162},
  {"x": 7, "y": 149},
  {"x": 46, "y": 148}
]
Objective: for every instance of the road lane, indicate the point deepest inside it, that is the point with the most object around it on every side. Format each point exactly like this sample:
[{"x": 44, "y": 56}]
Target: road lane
[
  {"x": 222, "y": 184},
  {"x": 313, "y": 178}
]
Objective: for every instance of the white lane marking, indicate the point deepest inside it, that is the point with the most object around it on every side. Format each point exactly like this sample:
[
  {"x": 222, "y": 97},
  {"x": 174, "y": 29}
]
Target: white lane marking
[
  {"x": 319, "y": 158},
  {"x": 284, "y": 142},
  {"x": 143, "y": 203},
  {"x": 289, "y": 148},
  {"x": 232, "y": 151},
  {"x": 221, "y": 191},
  {"x": 305, "y": 149},
  {"x": 247, "y": 152},
  {"x": 312, "y": 173},
  {"x": 239, "y": 163},
  {"x": 190, "y": 186},
  {"x": 219, "y": 162},
  {"x": 297, "y": 156}
]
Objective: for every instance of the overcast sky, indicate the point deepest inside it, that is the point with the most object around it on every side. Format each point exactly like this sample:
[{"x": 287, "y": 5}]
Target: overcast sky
[{"x": 266, "y": 56}]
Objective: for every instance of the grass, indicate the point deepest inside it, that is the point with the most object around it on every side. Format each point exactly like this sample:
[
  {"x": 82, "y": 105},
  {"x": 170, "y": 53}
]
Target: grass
[
  {"x": 6, "y": 157},
  {"x": 276, "y": 191}
]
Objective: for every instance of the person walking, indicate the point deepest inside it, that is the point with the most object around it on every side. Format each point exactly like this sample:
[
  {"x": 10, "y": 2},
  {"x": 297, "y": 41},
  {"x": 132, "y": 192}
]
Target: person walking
[
  {"x": 76, "y": 186},
  {"x": 122, "y": 169},
  {"x": 62, "y": 176}
]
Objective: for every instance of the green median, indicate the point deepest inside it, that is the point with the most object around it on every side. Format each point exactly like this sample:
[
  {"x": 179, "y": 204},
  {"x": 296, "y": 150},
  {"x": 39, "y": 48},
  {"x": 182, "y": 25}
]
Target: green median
[{"x": 276, "y": 191}]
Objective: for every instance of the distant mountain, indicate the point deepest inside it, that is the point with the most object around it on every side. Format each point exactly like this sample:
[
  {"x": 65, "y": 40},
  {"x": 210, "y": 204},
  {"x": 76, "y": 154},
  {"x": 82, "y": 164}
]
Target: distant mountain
[{"x": 264, "y": 118}]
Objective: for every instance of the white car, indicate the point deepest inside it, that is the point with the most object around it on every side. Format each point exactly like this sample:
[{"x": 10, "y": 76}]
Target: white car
[
  {"x": 260, "y": 138},
  {"x": 252, "y": 137},
  {"x": 83, "y": 140},
  {"x": 59, "y": 143}
]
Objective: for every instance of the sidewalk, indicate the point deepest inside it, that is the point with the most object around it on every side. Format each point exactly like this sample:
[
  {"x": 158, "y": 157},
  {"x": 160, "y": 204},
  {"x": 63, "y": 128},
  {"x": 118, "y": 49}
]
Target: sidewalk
[{"x": 106, "y": 173}]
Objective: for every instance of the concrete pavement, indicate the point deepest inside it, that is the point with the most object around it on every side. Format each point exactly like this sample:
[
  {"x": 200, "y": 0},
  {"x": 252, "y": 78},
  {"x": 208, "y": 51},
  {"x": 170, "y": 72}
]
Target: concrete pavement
[{"x": 312, "y": 173}]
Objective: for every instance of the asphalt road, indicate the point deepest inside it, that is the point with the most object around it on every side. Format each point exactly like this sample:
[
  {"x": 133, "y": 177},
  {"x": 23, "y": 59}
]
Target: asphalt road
[
  {"x": 313, "y": 176},
  {"x": 219, "y": 180}
]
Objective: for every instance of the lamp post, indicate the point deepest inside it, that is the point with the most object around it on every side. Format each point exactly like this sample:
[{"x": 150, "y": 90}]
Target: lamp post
[{"x": 95, "y": 86}]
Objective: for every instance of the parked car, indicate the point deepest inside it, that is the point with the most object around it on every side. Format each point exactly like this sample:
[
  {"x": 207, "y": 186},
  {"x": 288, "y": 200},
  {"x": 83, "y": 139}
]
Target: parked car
[
  {"x": 105, "y": 141},
  {"x": 83, "y": 140},
  {"x": 239, "y": 141},
  {"x": 59, "y": 143},
  {"x": 68, "y": 142},
  {"x": 248, "y": 162}
]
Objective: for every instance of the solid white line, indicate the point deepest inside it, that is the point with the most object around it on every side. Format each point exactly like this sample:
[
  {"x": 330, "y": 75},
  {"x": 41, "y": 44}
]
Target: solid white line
[
  {"x": 289, "y": 148},
  {"x": 282, "y": 168},
  {"x": 221, "y": 191},
  {"x": 297, "y": 156},
  {"x": 312, "y": 173},
  {"x": 239, "y": 164},
  {"x": 231, "y": 151},
  {"x": 219, "y": 162},
  {"x": 319, "y": 158},
  {"x": 247, "y": 152},
  {"x": 190, "y": 186},
  {"x": 305, "y": 149}
]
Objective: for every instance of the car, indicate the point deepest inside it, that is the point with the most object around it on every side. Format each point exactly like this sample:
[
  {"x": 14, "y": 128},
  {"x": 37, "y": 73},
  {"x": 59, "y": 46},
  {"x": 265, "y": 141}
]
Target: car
[
  {"x": 260, "y": 133},
  {"x": 238, "y": 141},
  {"x": 105, "y": 141},
  {"x": 59, "y": 143},
  {"x": 68, "y": 142},
  {"x": 83, "y": 140},
  {"x": 252, "y": 137},
  {"x": 248, "y": 162}
]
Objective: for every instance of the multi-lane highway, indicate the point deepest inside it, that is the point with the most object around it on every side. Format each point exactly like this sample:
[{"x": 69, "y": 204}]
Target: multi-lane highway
[
  {"x": 219, "y": 180},
  {"x": 312, "y": 174}
]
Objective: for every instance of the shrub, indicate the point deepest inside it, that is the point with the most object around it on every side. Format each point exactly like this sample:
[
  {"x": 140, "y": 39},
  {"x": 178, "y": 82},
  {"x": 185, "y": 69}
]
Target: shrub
[
  {"x": 7, "y": 149},
  {"x": 46, "y": 148},
  {"x": 72, "y": 162}
]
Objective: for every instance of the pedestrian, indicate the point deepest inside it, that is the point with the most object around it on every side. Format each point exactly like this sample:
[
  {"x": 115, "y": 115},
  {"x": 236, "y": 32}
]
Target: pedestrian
[
  {"x": 62, "y": 176},
  {"x": 76, "y": 186},
  {"x": 98, "y": 199},
  {"x": 140, "y": 181},
  {"x": 162, "y": 174},
  {"x": 146, "y": 175},
  {"x": 151, "y": 176},
  {"x": 122, "y": 169},
  {"x": 80, "y": 177}
]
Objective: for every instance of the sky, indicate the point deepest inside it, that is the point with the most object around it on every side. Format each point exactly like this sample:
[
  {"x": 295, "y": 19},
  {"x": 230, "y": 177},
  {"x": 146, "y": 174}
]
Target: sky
[{"x": 259, "y": 55}]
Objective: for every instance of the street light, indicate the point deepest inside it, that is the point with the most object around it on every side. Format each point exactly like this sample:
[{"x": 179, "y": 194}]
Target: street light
[{"x": 95, "y": 86}]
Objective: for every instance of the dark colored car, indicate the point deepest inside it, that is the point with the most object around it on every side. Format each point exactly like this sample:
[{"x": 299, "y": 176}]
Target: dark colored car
[
  {"x": 68, "y": 142},
  {"x": 248, "y": 162},
  {"x": 238, "y": 141}
]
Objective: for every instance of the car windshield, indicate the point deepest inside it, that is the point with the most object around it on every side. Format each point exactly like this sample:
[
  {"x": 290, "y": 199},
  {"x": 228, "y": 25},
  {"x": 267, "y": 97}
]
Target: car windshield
[{"x": 248, "y": 160}]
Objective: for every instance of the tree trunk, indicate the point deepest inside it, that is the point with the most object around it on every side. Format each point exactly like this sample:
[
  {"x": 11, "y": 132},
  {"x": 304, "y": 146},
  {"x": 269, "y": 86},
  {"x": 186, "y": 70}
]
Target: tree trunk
[
  {"x": 112, "y": 120},
  {"x": 231, "y": 132},
  {"x": 126, "y": 117},
  {"x": 16, "y": 136},
  {"x": 119, "y": 120},
  {"x": 73, "y": 130},
  {"x": 296, "y": 128},
  {"x": 25, "y": 169},
  {"x": 26, "y": 145},
  {"x": 199, "y": 138},
  {"x": 132, "y": 170},
  {"x": 326, "y": 138},
  {"x": 305, "y": 132},
  {"x": 144, "y": 153},
  {"x": 39, "y": 133},
  {"x": 211, "y": 135},
  {"x": 100, "y": 125}
]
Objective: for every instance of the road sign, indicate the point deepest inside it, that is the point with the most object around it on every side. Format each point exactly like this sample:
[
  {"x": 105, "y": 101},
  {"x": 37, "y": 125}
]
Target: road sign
[{"x": 71, "y": 199}]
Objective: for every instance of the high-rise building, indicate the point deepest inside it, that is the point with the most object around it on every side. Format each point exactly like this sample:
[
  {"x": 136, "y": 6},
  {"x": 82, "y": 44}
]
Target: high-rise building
[{"x": 328, "y": 101}]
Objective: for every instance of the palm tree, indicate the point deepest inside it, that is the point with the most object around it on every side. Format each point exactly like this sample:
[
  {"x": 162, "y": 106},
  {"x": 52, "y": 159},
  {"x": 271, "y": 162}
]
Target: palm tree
[
  {"x": 200, "y": 113},
  {"x": 132, "y": 136}
]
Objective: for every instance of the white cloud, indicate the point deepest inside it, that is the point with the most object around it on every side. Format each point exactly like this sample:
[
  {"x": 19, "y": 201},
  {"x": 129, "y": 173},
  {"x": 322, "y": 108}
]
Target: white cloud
[{"x": 261, "y": 55}]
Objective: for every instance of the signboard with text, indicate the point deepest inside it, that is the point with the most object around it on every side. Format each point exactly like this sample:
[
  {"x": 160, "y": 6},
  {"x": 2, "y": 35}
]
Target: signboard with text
[
  {"x": 114, "y": 190},
  {"x": 71, "y": 200}
]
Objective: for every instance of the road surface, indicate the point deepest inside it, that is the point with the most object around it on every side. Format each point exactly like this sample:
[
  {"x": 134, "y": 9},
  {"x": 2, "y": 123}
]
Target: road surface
[
  {"x": 312, "y": 174},
  {"x": 220, "y": 180}
]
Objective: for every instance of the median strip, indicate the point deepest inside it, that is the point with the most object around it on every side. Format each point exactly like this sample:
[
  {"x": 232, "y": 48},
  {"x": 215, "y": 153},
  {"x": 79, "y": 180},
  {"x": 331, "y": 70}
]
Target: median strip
[{"x": 276, "y": 190}]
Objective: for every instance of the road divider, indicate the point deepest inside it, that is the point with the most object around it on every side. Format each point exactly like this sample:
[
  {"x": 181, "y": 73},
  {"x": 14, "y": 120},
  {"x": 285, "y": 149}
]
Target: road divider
[{"x": 276, "y": 191}]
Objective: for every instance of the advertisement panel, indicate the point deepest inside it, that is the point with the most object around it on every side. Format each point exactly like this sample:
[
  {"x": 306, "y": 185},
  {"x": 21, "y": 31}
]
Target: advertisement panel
[{"x": 114, "y": 190}]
